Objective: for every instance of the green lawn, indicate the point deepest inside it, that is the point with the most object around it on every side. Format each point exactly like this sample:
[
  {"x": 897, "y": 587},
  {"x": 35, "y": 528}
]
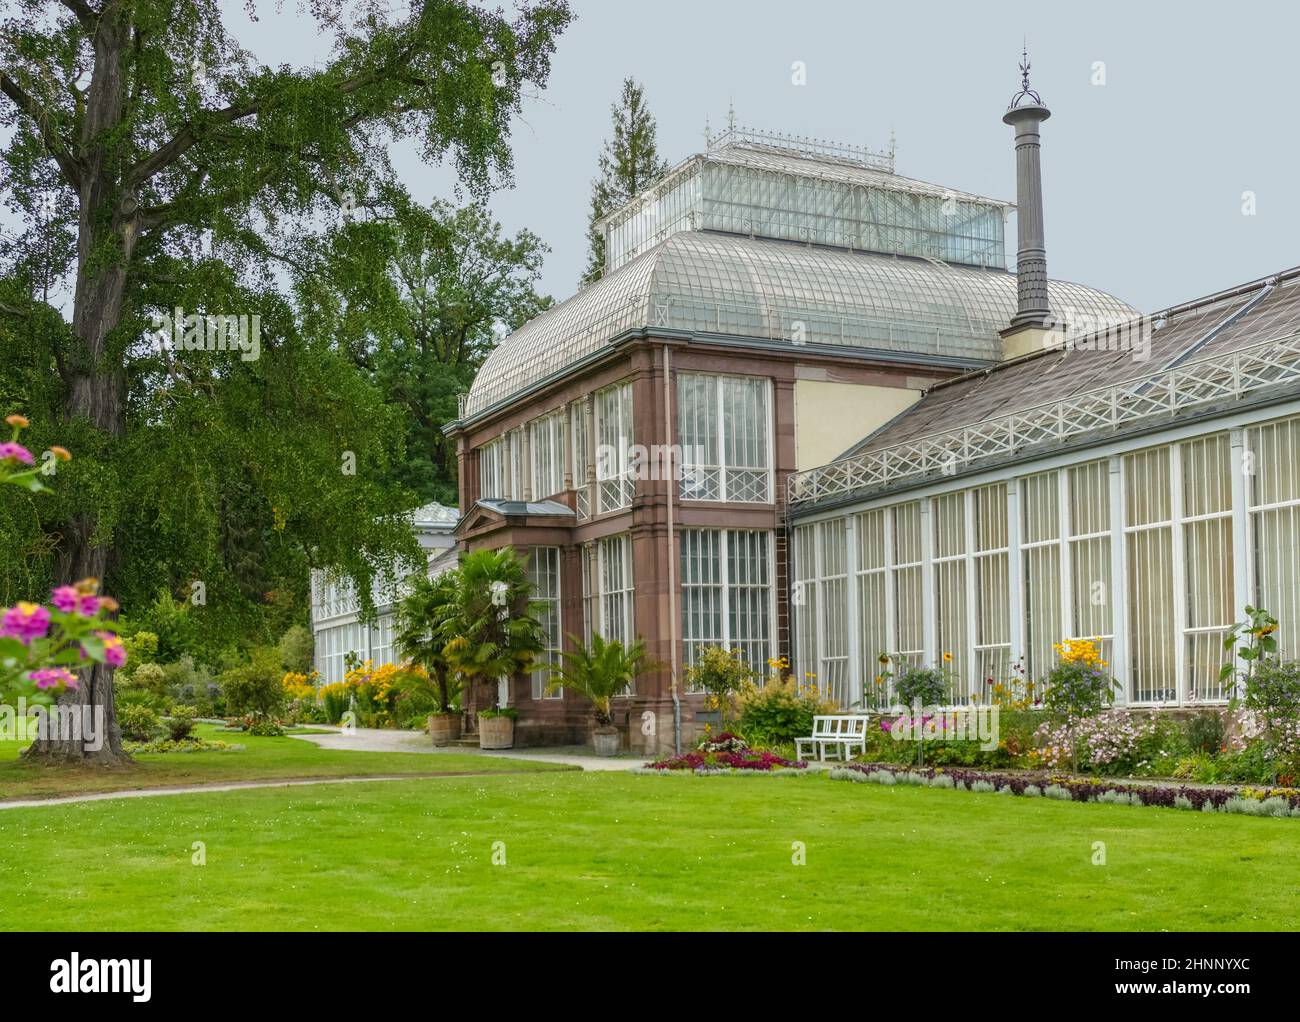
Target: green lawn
[
  {"x": 261, "y": 759},
  {"x": 621, "y": 851}
]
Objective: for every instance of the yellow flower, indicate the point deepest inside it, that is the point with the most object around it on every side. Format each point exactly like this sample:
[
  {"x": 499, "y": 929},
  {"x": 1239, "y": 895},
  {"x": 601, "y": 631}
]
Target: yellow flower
[{"x": 947, "y": 658}]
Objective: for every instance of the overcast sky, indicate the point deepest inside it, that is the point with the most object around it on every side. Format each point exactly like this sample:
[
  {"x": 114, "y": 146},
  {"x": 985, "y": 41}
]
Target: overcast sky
[{"x": 1144, "y": 176}]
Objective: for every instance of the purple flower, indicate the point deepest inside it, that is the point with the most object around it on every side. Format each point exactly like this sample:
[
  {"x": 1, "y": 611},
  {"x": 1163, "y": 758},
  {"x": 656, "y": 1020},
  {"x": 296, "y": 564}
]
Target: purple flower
[
  {"x": 53, "y": 677},
  {"x": 25, "y": 622},
  {"x": 70, "y": 601},
  {"x": 10, "y": 451},
  {"x": 114, "y": 652}
]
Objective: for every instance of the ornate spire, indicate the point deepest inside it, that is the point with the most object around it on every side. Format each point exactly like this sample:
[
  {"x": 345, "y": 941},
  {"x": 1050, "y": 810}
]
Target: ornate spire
[{"x": 1025, "y": 91}]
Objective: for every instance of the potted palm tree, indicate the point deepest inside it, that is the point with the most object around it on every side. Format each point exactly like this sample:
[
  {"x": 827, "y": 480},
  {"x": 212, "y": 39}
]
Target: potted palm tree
[
  {"x": 493, "y": 635},
  {"x": 600, "y": 672},
  {"x": 424, "y": 621}
]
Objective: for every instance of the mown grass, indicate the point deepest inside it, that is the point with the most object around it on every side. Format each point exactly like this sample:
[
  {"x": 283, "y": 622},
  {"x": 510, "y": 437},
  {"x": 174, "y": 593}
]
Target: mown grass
[
  {"x": 260, "y": 759},
  {"x": 622, "y": 851}
]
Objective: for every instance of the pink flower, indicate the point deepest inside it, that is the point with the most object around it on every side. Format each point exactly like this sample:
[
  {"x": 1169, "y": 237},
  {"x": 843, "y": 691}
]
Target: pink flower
[
  {"x": 25, "y": 622},
  {"x": 114, "y": 651},
  {"x": 10, "y": 451},
  {"x": 70, "y": 601},
  {"x": 53, "y": 677}
]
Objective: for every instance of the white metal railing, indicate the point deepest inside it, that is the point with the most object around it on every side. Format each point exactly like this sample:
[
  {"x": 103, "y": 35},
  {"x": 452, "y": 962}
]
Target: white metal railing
[
  {"x": 876, "y": 159},
  {"x": 1194, "y": 383}
]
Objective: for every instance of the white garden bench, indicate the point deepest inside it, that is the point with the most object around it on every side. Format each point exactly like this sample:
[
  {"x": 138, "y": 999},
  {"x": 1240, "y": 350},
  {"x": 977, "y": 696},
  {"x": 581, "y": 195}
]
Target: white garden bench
[{"x": 842, "y": 732}]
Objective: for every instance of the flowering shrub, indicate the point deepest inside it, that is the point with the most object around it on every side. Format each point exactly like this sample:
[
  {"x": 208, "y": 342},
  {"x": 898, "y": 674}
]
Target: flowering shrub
[
  {"x": 1017, "y": 691},
  {"x": 708, "y": 761},
  {"x": 719, "y": 672},
  {"x": 780, "y": 711},
  {"x": 139, "y": 723},
  {"x": 1118, "y": 742},
  {"x": 158, "y": 745},
  {"x": 1284, "y": 801},
  {"x": 41, "y": 645},
  {"x": 297, "y": 685},
  {"x": 724, "y": 742},
  {"x": 18, "y": 466},
  {"x": 1078, "y": 687},
  {"x": 334, "y": 701},
  {"x": 1251, "y": 726}
]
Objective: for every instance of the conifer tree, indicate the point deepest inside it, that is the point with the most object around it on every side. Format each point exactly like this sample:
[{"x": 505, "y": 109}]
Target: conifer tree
[{"x": 629, "y": 163}]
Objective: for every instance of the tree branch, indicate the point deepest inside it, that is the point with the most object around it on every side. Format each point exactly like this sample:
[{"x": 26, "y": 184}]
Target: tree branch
[
  {"x": 181, "y": 142},
  {"x": 87, "y": 15},
  {"x": 54, "y": 145}
]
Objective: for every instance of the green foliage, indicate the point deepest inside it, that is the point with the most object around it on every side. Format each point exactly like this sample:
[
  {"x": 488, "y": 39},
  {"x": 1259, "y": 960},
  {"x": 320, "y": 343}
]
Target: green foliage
[
  {"x": 1206, "y": 732},
  {"x": 254, "y": 687},
  {"x": 124, "y": 696},
  {"x": 139, "y": 723},
  {"x": 335, "y": 702},
  {"x": 194, "y": 685},
  {"x": 1250, "y": 765},
  {"x": 926, "y": 685},
  {"x": 1078, "y": 689},
  {"x": 777, "y": 712},
  {"x": 149, "y": 677},
  {"x": 629, "y": 164},
  {"x": 1273, "y": 690},
  {"x": 141, "y": 647},
  {"x": 180, "y": 725},
  {"x": 1273, "y": 693},
  {"x": 719, "y": 672},
  {"x": 494, "y": 632},
  {"x": 264, "y": 727},
  {"x": 426, "y": 620},
  {"x": 188, "y": 177},
  {"x": 1254, "y": 640},
  {"x": 600, "y": 671},
  {"x": 418, "y": 296},
  {"x": 297, "y": 649}
]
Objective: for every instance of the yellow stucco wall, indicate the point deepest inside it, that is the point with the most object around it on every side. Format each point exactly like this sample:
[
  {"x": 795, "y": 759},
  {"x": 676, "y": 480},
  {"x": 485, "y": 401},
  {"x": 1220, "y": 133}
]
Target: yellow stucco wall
[{"x": 831, "y": 417}]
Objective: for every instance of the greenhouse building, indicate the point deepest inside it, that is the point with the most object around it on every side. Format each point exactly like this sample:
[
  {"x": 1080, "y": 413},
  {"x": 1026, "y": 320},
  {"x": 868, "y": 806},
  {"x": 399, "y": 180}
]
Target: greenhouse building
[{"x": 808, "y": 412}]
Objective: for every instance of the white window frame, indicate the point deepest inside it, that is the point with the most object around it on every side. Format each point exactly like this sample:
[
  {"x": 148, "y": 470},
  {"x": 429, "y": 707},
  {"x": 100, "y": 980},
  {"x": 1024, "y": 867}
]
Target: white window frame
[
  {"x": 554, "y": 601},
  {"x": 716, "y": 477},
  {"x": 615, "y": 482},
  {"x": 725, "y": 586}
]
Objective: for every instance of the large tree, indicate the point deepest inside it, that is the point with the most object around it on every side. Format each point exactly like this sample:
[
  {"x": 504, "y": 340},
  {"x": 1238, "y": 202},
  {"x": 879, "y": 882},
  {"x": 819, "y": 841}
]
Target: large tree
[
  {"x": 419, "y": 295},
  {"x": 176, "y": 165},
  {"x": 629, "y": 164}
]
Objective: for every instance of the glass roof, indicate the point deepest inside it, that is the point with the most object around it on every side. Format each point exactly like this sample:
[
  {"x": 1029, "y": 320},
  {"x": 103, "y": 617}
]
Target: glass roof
[
  {"x": 779, "y": 292},
  {"x": 771, "y": 192}
]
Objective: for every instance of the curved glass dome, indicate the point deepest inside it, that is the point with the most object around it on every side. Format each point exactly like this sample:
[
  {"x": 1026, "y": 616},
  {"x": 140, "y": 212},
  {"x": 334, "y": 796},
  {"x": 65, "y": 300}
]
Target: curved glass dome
[{"x": 778, "y": 292}]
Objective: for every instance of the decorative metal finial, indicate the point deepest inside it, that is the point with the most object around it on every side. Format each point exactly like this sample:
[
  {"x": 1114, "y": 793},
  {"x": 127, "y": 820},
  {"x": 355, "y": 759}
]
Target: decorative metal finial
[
  {"x": 731, "y": 114},
  {"x": 1025, "y": 91}
]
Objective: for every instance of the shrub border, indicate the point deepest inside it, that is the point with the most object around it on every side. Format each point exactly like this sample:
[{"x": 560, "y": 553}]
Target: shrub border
[{"x": 1248, "y": 801}]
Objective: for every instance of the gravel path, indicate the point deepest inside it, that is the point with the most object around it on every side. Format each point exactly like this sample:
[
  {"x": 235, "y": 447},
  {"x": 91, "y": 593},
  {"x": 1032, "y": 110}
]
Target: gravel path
[
  {"x": 360, "y": 740},
  {"x": 364, "y": 739},
  {"x": 191, "y": 789}
]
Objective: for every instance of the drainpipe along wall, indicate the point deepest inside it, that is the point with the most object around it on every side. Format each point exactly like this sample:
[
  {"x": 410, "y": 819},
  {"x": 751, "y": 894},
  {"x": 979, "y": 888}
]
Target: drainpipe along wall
[{"x": 670, "y": 475}]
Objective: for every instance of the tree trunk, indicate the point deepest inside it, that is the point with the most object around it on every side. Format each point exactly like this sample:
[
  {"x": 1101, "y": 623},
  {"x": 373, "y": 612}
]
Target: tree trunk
[{"x": 106, "y": 238}]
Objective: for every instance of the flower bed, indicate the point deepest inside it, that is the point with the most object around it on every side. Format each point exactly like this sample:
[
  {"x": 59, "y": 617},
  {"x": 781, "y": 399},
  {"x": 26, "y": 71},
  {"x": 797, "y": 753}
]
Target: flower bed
[
  {"x": 1248, "y": 801},
  {"x": 725, "y": 752},
  {"x": 185, "y": 745}
]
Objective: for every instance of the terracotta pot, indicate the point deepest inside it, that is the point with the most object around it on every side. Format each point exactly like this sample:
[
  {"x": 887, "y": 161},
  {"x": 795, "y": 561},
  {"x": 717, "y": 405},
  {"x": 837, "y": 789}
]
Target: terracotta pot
[
  {"x": 607, "y": 743},
  {"x": 496, "y": 732},
  {"x": 444, "y": 728}
]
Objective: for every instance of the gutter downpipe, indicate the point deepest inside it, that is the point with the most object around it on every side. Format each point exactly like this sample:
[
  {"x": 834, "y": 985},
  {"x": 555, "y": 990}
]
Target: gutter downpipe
[{"x": 672, "y": 552}]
